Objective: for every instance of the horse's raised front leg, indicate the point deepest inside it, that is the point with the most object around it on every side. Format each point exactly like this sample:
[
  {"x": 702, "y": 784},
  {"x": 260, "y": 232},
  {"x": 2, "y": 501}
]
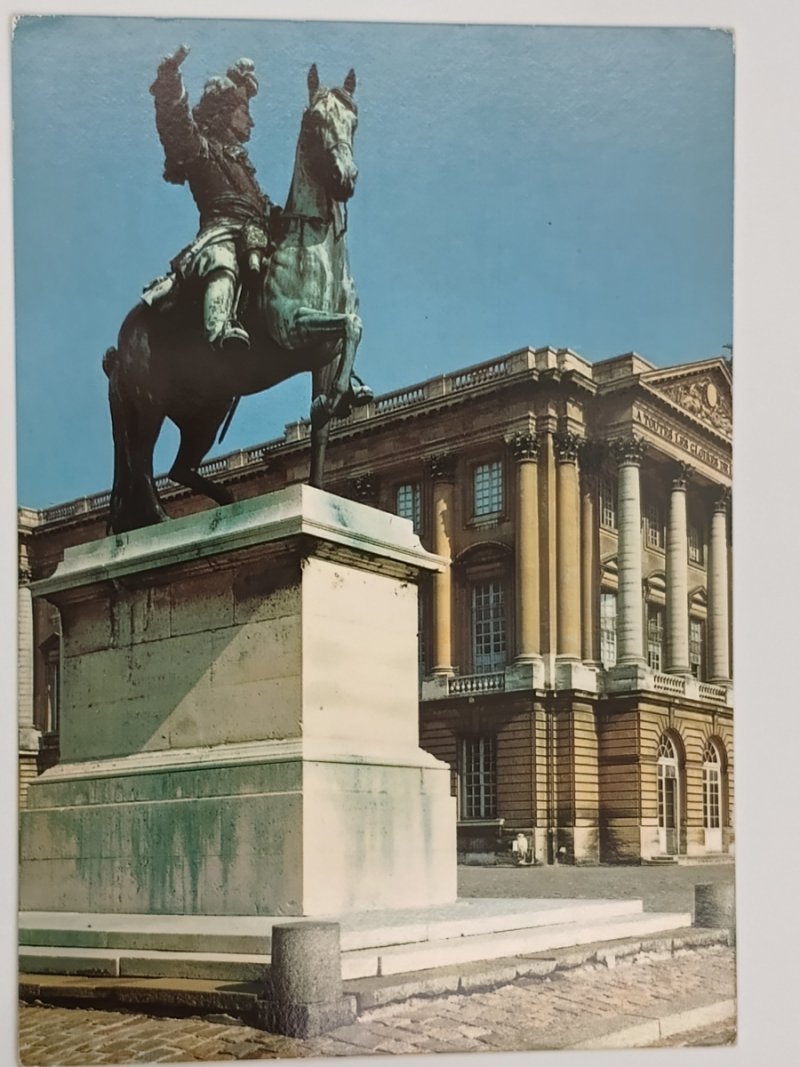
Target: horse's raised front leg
[{"x": 310, "y": 326}]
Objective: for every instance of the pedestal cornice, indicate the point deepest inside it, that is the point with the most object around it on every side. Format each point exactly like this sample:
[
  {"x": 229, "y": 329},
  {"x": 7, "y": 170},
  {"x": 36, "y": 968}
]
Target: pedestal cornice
[{"x": 301, "y": 513}]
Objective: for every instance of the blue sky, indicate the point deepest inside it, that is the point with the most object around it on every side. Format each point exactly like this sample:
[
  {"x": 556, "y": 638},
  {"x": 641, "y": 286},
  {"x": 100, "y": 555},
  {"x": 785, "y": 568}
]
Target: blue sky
[{"x": 518, "y": 185}]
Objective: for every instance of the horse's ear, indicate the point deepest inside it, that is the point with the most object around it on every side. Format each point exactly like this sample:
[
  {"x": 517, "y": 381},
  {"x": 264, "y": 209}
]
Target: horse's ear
[
  {"x": 313, "y": 81},
  {"x": 350, "y": 82}
]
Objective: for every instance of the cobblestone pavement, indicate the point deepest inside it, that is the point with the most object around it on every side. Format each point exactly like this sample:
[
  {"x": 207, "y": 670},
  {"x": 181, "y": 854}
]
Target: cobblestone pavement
[
  {"x": 665, "y": 887},
  {"x": 563, "y": 1009}
]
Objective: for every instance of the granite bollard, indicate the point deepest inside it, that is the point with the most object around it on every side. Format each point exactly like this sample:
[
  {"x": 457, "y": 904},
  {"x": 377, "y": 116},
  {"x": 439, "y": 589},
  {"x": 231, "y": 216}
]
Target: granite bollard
[
  {"x": 714, "y": 906},
  {"x": 304, "y": 994}
]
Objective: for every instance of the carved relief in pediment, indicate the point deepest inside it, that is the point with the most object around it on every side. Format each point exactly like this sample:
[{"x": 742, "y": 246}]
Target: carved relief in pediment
[{"x": 703, "y": 398}]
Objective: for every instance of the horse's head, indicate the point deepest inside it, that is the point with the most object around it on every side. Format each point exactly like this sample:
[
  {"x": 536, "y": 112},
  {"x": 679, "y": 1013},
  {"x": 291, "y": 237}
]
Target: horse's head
[{"x": 329, "y": 125}]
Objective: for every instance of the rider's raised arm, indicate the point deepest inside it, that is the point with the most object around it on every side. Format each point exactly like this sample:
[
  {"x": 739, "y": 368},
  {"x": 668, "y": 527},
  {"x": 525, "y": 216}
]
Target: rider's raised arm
[{"x": 177, "y": 130}]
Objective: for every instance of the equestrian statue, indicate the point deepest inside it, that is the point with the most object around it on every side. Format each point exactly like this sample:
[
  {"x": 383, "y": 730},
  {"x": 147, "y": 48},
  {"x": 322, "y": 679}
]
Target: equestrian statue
[{"x": 260, "y": 295}]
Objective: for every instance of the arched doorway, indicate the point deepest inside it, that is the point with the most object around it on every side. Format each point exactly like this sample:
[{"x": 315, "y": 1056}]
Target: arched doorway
[{"x": 669, "y": 792}]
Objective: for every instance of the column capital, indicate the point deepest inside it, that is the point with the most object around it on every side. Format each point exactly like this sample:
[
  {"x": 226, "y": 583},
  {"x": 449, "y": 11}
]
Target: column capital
[
  {"x": 681, "y": 474},
  {"x": 567, "y": 445},
  {"x": 722, "y": 499},
  {"x": 628, "y": 450},
  {"x": 441, "y": 467},
  {"x": 24, "y": 574},
  {"x": 525, "y": 446}
]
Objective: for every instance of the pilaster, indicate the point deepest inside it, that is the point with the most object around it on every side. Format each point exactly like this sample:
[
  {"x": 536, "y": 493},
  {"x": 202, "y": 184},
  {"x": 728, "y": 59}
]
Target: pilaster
[
  {"x": 441, "y": 471},
  {"x": 525, "y": 447},
  {"x": 568, "y": 547}
]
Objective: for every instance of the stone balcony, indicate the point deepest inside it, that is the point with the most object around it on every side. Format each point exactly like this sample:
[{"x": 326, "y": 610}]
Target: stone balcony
[
  {"x": 522, "y": 363},
  {"x": 556, "y": 676}
]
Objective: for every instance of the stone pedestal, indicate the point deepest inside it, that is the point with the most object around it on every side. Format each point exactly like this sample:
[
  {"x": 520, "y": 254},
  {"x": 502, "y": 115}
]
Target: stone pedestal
[{"x": 239, "y": 722}]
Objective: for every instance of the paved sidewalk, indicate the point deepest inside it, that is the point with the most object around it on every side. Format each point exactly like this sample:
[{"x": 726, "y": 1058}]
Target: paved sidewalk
[{"x": 585, "y": 1007}]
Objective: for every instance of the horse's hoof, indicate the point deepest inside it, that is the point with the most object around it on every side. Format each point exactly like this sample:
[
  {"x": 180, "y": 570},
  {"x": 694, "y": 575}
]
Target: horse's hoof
[{"x": 359, "y": 393}]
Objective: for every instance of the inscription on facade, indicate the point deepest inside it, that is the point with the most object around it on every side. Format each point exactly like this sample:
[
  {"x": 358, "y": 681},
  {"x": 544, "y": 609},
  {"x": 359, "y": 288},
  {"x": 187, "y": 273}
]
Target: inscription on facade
[{"x": 682, "y": 440}]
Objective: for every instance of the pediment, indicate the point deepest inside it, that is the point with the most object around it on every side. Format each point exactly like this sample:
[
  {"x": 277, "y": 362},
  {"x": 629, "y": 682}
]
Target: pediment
[{"x": 702, "y": 390}]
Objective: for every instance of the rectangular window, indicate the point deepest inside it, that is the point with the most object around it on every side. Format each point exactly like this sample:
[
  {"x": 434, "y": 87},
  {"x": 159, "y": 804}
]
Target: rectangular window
[
  {"x": 711, "y": 798},
  {"x": 654, "y": 523},
  {"x": 53, "y": 682},
  {"x": 488, "y": 489},
  {"x": 488, "y": 627},
  {"x": 697, "y": 643},
  {"x": 608, "y": 501},
  {"x": 408, "y": 504},
  {"x": 608, "y": 629},
  {"x": 695, "y": 537},
  {"x": 478, "y": 778},
  {"x": 655, "y": 637}
]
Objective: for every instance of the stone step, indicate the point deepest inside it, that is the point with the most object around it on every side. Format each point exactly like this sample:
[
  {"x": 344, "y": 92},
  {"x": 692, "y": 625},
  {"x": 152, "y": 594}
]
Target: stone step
[
  {"x": 187, "y": 995},
  {"x": 396, "y": 959},
  {"x": 252, "y": 934},
  {"x": 713, "y": 859},
  {"x": 381, "y": 960}
]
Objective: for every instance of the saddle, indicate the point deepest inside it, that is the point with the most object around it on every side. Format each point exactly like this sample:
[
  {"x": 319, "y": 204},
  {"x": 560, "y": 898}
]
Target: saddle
[{"x": 252, "y": 242}]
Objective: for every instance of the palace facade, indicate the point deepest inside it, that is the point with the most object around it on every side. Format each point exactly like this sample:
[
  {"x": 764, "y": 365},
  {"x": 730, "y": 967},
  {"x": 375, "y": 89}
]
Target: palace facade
[{"x": 575, "y": 656}]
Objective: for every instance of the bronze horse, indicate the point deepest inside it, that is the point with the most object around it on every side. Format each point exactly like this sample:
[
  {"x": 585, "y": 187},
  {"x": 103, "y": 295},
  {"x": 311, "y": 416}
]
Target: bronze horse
[{"x": 300, "y": 313}]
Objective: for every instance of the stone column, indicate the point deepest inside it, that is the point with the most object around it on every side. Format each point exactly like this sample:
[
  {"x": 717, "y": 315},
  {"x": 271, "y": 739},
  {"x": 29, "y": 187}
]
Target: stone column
[
  {"x": 630, "y": 638},
  {"x": 720, "y": 670},
  {"x": 590, "y": 555},
  {"x": 678, "y": 576},
  {"x": 568, "y": 586},
  {"x": 442, "y": 472},
  {"x": 526, "y": 449}
]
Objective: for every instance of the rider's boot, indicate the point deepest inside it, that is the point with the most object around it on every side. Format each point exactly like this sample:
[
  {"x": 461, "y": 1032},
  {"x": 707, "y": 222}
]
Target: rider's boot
[
  {"x": 221, "y": 329},
  {"x": 359, "y": 392}
]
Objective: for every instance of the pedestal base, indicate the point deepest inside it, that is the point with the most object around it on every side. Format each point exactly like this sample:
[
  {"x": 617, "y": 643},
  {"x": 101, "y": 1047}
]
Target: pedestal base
[
  {"x": 269, "y": 831},
  {"x": 240, "y": 721}
]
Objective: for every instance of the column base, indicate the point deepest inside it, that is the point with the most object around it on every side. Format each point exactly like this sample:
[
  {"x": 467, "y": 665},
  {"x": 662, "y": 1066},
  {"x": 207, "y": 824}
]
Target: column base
[
  {"x": 571, "y": 673},
  {"x": 626, "y": 676},
  {"x": 527, "y": 673}
]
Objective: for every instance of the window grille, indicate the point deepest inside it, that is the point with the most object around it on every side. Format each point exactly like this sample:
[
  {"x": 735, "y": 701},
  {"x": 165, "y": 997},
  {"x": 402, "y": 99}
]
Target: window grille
[
  {"x": 697, "y": 641},
  {"x": 478, "y": 777},
  {"x": 608, "y": 501},
  {"x": 655, "y": 637},
  {"x": 488, "y": 627},
  {"x": 654, "y": 523},
  {"x": 488, "y": 489},
  {"x": 695, "y": 538},
  {"x": 408, "y": 504},
  {"x": 608, "y": 629},
  {"x": 712, "y": 787}
]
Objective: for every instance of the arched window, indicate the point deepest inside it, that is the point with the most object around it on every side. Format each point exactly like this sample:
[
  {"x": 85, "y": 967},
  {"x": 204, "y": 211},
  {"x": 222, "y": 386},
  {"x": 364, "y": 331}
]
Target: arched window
[
  {"x": 668, "y": 796},
  {"x": 712, "y": 797}
]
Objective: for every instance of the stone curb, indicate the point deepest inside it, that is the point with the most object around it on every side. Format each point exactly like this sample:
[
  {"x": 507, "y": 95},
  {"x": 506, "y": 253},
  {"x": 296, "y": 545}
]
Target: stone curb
[
  {"x": 243, "y": 1000},
  {"x": 477, "y": 977},
  {"x": 649, "y": 1031}
]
